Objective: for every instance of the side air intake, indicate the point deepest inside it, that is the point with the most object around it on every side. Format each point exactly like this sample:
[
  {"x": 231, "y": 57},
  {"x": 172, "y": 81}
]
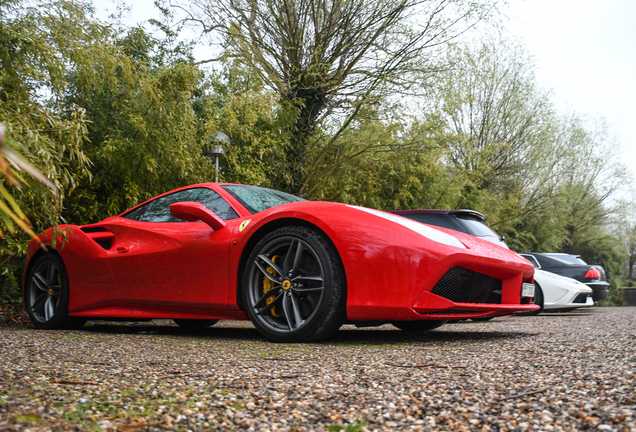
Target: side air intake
[{"x": 100, "y": 235}]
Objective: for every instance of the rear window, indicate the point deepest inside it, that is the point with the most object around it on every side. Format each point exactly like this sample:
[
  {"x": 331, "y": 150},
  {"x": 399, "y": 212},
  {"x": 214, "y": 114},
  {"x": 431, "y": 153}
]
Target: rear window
[
  {"x": 438, "y": 219},
  {"x": 257, "y": 199},
  {"x": 567, "y": 259},
  {"x": 476, "y": 227}
]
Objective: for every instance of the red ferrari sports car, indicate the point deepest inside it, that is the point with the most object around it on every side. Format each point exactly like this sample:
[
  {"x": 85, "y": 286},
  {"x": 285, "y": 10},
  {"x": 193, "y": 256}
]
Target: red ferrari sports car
[{"x": 297, "y": 269}]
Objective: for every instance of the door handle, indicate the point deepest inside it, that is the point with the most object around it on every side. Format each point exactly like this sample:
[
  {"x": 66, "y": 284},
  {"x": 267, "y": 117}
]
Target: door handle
[{"x": 122, "y": 249}]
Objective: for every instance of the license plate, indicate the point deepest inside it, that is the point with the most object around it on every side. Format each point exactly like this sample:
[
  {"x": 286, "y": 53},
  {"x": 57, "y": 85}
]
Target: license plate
[{"x": 527, "y": 290}]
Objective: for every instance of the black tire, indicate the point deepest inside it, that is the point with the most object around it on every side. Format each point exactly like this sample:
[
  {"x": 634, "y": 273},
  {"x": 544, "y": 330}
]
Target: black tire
[
  {"x": 537, "y": 299},
  {"x": 195, "y": 323},
  {"x": 46, "y": 294},
  {"x": 302, "y": 270},
  {"x": 419, "y": 326},
  {"x": 482, "y": 319}
]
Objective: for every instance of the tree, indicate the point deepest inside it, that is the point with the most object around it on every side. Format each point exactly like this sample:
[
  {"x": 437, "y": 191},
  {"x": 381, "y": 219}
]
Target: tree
[
  {"x": 38, "y": 47},
  {"x": 500, "y": 133},
  {"x": 631, "y": 252},
  {"x": 327, "y": 60},
  {"x": 144, "y": 137}
]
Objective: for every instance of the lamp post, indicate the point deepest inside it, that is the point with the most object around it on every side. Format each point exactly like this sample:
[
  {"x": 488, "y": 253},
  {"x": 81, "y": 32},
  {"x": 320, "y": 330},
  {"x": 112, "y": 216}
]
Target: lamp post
[{"x": 216, "y": 150}]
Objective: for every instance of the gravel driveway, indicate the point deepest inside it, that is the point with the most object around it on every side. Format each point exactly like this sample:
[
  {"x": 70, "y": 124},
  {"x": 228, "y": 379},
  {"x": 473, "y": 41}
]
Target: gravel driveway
[{"x": 569, "y": 371}]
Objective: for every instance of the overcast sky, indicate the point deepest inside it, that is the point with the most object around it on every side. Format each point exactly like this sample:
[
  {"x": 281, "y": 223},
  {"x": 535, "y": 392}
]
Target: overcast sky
[{"x": 585, "y": 51}]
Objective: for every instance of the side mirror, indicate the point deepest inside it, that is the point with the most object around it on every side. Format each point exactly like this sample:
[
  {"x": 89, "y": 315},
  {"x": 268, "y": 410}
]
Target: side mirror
[{"x": 193, "y": 211}]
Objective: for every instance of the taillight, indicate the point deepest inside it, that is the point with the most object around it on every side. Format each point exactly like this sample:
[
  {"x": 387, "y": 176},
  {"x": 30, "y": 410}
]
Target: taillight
[{"x": 593, "y": 274}]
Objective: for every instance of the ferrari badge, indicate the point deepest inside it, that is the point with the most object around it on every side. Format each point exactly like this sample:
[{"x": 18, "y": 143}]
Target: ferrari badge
[{"x": 244, "y": 224}]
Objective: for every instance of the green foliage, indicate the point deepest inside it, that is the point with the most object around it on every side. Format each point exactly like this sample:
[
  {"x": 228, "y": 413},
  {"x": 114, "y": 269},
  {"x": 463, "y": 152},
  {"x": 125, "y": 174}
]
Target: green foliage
[
  {"x": 35, "y": 56},
  {"x": 385, "y": 165},
  {"x": 143, "y": 137},
  {"x": 236, "y": 103},
  {"x": 354, "y": 427}
]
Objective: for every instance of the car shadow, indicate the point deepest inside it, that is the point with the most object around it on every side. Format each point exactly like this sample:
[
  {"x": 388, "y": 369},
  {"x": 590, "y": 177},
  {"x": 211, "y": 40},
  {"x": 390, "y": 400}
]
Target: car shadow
[
  {"x": 347, "y": 335},
  {"x": 130, "y": 328},
  {"x": 388, "y": 337}
]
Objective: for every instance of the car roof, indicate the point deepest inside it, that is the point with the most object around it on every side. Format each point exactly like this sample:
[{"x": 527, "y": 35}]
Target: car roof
[{"x": 436, "y": 211}]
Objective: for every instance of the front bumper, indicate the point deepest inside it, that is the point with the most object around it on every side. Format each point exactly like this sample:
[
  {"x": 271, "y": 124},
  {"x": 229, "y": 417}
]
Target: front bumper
[
  {"x": 571, "y": 301},
  {"x": 476, "y": 310},
  {"x": 462, "y": 293},
  {"x": 600, "y": 289}
]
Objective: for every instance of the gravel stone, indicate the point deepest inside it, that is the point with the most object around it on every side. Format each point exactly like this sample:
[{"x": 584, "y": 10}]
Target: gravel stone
[{"x": 554, "y": 372}]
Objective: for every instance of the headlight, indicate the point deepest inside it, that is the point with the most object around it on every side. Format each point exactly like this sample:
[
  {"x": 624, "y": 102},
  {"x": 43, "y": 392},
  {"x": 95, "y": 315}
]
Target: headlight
[{"x": 423, "y": 230}]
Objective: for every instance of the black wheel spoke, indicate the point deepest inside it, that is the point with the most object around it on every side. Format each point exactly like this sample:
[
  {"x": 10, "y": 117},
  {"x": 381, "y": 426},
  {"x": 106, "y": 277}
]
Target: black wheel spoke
[
  {"x": 287, "y": 312},
  {"x": 296, "y": 309},
  {"x": 270, "y": 263},
  {"x": 40, "y": 282},
  {"x": 272, "y": 292},
  {"x": 266, "y": 273},
  {"x": 49, "y": 308},
  {"x": 296, "y": 266},
  {"x": 307, "y": 278},
  {"x": 39, "y": 301},
  {"x": 307, "y": 289},
  {"x": 288, "y": 264},
  {"x": 269, "y": 307}
]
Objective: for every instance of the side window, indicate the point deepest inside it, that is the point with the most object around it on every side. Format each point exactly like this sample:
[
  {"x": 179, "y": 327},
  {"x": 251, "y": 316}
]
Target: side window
[
  {"x": 137, "y": 213},
  {"x": 214, "y": 202},
  {"x": 532, "y": 259},
  {"x": 159, "y": 209}
]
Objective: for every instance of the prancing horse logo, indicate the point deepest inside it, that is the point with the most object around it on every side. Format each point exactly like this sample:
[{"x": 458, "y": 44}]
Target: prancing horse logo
[{"x": 244, "y": 224}]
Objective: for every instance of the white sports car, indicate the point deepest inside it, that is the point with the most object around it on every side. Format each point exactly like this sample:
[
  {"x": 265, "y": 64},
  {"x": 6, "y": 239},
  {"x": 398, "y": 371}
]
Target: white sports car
[{"x": 554, "y": 292}]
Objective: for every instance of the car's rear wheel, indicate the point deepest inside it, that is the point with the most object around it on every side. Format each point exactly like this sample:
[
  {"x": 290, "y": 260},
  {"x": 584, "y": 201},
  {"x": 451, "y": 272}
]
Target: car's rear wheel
[
  {"x": 195, "y": 323},
  {"x": 419, "y": 326},
  {"x": 47, "y": 294},
  {"x": 294, "y": 289}
]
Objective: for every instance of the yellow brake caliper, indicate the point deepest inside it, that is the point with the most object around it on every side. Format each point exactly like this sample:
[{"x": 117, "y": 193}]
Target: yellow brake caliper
[{"x": 268, "y": 284}]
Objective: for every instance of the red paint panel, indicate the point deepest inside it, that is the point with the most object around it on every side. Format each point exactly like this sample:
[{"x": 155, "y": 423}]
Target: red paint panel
[{"x": 171, "y": 264}]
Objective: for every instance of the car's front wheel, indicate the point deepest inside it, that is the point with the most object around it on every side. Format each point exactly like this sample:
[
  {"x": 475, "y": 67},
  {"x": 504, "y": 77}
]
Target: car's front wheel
[
  {"x": 47, "y": 294},
  {"x": 294, "y": 289}
]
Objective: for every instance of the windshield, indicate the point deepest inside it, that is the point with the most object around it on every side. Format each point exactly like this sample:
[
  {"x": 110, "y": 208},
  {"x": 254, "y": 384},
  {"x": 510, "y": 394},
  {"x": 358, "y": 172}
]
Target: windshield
[
  {"x": 256, "y": 199},
  {"x": 568, "y": 259}
]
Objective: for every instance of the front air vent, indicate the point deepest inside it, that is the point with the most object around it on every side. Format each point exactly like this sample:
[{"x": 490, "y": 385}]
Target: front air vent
[
  {"x": 461, "y": 285},
  {"x": 89, "y": 229},
  {"x": 581, "y": 298}
]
